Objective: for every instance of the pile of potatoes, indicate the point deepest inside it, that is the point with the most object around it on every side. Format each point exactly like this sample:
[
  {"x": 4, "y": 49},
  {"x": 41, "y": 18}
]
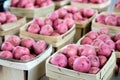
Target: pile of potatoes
[
  {"x": 82, "y": 58},
  {"x": 30, "y": 3},
  {"x": 7, "y": 17},
  {"x": 78, "y": 15},
  {"x": 50, "y": 27},
  {"x": 21, "y": 49},
  {"x": 110, "y": 19}
]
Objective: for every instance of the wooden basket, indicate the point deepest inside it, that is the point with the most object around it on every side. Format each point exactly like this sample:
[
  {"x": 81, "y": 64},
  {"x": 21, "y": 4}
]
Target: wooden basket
[
  {"x": 30, "y": 13},
  {"x": 82, "y": 29},
  {"x": 113, "y": 29},
  {"x": 117, "y": 10},
  {"x": 12, "y": 28},
  {"x": 99, "y": 7},
  {"x": 59, "y": 4},
  {"x": 59, "y": 73},
  {"x": 31, "y": 70},
  {"x": 57, "y": 42}
]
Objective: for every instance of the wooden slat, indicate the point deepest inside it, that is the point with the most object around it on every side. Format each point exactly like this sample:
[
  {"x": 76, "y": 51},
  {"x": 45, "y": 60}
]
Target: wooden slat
[
  {"x": 12, "y": 74},
  {"x": 99, "y": 7},
  {"x": 8, "y": 26},
  {"x": 30, "y": 13}
]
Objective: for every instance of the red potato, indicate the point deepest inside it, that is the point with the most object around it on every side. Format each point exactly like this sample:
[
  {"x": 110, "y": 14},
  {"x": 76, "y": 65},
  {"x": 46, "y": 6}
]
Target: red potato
[
  {"x": 69, "y": 22},
  {"x": 117, "y": 45},
  {"x": 49, "y": 2},
  {"x": 104, "y": 50},
  {"x": 25, "y": 58},
  {"x": 33, "y": 28},
  {"x": 57, "y": 22},
  {"x": 117, "y": 6},
  {"x": 53, "y": 16},
  {"x": 88, "y": 12},
  {"x": 7, "y": 13},
  {"x": 104, "y": 37},
  {"x": 62, "y": 28},
  {"x": 94, "y": 70},
  {"x": 48, "y": 21},
  {"x": 116, "y": 69},
  {"x": 92, "y": 35},
  {"x": 59, "y": 60},
  {"x": 77, "y": 16},
  {"x": 3, "y": 17},
  {"x": 30, "y": 6},
  {"x": 103, "y": 31},
  {"x": 72, "y": 9},
  {"x": 7, "y": 46},
  {"x": 19, "y": 51},
  {"x": 39, "y": 46},
  {"x": 97, "y": 42},
  {"x": 22, "y": 3},
  {"x": 84, "y": 64},
  {"x": 14, "y": 3},
  {"x": 33, "y": 55},
  {"x": 96, "y": 1},
  {"x": 118, "y": 20},
  {"x": 70, "y": 50},
  {"x": 117, "y": 37},
  {"x": 14, "y": 40},
  {"x": 86, "y": 40},
  {"x": 11, "y": 18},
  {"x": 77, "y": 0},
  {"x": 43, "y": 4},
  {"x": 101, "y": 18},
  {"x": 38, "y": 21},
  {"x": 6, "y": 54},
  {"x": 55, "y": 34},
  {"x": 38, "y": 2},
  {"x": 46, "y": 30},
  {"x": 62, "y": 12},
  {"x": 110, "y": 43},
  {"x": 71, "y": 61},
  {"x": 86, "y": 50},
  {"x": 102, "y": 60},
  {"x": 111, "y": 20},
  {"x": 27, "y": 42},
  {"x": 69, "y": 15},
  {"x": 94, "y": 60}
]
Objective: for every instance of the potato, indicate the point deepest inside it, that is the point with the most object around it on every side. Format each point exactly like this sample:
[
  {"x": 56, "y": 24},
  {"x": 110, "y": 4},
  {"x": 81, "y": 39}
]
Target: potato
[
  {"x": 39, "y": 46},
  {"x": 6, "y": 54},
  {"x": 59, "y": 60},
  {"x": 14, "y": 40},
  {"x": 46, "y": 30},
  {"x": 7, "y": 46},
  {"x": 84, "y": 64},
  {"x": 19, "y": 51}
]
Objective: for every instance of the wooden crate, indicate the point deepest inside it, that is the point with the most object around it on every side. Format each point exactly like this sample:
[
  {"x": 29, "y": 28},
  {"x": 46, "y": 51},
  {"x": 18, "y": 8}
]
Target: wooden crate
[
  {"x": 12, "y": 28},
  {"x": 59, "y": 4},
  {"x": 57, "y": 42},
  {"x": 79, "y": 41},
  {"x": 83, "y": 28},
  {"x": 113, "y": 29},
  {"x": 30, "y": 13},
  {"x": 59, "y": 73},
  {"x": 116, "y": 10},
  {"x": 99, "y": 7},
  {"x": 31, "y": 70}
]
